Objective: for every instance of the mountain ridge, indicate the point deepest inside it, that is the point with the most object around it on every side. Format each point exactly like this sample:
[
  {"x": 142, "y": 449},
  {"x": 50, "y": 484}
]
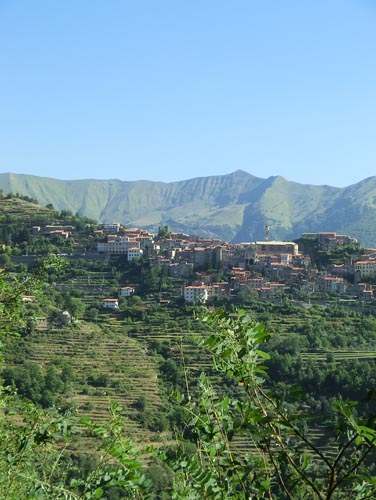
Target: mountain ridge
[{"x": 233, "y": 207}]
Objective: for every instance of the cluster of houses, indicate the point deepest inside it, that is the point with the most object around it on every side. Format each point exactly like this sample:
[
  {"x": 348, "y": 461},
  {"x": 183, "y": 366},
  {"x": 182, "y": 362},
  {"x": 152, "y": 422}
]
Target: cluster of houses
[
  {"x": 63, "y": 231},
  {"x": 125, "y": 291},
  {"x": 268, "y": 268},
  {"x": 121, "y": 241}
]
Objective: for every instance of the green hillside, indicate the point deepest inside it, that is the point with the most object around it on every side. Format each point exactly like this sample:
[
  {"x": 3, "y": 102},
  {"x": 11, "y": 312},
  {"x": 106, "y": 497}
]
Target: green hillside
[
  {"x": 232, "y": 207},
  {"x": 23, "y": 211},
  {"x": 72, "y": 353}
]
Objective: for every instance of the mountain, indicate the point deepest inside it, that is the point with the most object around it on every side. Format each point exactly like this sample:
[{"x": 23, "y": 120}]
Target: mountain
[{"x": 233, "y": 207}]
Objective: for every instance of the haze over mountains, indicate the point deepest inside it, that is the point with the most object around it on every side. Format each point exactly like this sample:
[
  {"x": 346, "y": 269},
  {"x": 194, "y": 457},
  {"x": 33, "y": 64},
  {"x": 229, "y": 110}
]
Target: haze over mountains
[{"x": 233, "y": 207}]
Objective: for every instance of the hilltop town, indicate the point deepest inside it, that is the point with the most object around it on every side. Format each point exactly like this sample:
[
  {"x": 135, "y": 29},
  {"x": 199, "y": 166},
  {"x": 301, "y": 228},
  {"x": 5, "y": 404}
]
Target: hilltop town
[
  {"x": 268, "y": 268},
  {"x": 209, "y": 270}
]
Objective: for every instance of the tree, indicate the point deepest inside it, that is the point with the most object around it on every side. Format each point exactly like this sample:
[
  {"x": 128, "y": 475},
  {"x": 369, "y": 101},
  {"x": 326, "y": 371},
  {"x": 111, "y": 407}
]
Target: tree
[
  {"x": 92, "y": 314},
  {"x": 34, "y": 458},
  {"x": 75, "y": 306},
  {"x": 284, "y": 462},
  {"x": 163, "y": 233},
  {"x": 5, "y": 260}
]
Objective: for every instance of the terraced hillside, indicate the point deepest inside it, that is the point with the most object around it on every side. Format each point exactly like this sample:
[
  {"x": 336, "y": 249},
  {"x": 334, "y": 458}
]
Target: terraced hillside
[
  {"x": 136, "y": 354},
  {"x": 23, "y": 212},
  {"x": 107, "y": 366},
  {"x": 121, "y": 358}
]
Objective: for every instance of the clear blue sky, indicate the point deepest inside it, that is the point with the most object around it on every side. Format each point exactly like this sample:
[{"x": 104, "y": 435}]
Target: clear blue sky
[{"x": 174, "y": 89}]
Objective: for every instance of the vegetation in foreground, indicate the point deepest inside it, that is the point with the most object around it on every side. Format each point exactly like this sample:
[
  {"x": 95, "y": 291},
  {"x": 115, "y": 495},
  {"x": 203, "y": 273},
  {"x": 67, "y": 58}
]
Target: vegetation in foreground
[
  {"x": 121, "y": 368},
  {"x": 283, "y": 459}
]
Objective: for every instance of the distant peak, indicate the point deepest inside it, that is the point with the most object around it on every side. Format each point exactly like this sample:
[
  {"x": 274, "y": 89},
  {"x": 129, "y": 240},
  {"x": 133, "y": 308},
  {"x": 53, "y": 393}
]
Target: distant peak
[
  {"x": 239, "y": 172},
  {"x": 278, "y": 178}
]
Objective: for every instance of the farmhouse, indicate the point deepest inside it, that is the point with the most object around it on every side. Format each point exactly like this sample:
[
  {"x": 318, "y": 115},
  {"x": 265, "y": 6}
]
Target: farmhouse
[
  {"x": 110, "y": 303},
  {"x": 126, "y": 291}
]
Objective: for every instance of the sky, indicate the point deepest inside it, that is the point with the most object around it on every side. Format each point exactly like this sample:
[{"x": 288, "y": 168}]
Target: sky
[{"x": 167, "y": 90}]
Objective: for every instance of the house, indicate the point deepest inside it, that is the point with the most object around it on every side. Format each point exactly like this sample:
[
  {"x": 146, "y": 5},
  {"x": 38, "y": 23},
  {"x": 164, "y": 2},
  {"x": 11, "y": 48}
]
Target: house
[
  {"x": 219, "y": 290},
  {"x": 59, "y": 232},
  {"x": 110, "y": 228},
  {"x": 110, "y": 303},
  {"x": 367, "y": 295},
  {"x": 365, "y": 268},
  {"x": 118, "y": 245},
  {"x": 330, "y": 240},
  {"x": 126, "y": 291},
  {"x": 332, "y": 284},
  {"x": 195, "y": 293},
  {"x": 134, "y": 252},
  {"x": 180, "y": 269}
]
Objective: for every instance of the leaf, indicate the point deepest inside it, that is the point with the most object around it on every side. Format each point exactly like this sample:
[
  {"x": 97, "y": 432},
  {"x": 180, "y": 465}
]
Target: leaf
[
  {"x": 262, "y": 354},
  {"x": 98, "y": 493}
]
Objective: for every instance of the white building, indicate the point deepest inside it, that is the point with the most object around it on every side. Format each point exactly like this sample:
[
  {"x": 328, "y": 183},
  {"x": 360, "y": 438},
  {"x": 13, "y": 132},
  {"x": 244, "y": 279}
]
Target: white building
[
  {"x": 196, "y": 293},
  {"x": 118, "y": 245},
  {"x": 126, "y": 291},
  {"x": 110, "y": 303},
  {"x": 134, "y": 253}
]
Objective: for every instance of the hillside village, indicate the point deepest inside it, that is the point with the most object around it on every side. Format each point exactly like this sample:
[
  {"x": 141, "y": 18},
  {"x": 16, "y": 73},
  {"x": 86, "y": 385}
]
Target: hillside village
[
  {"x": 269, "y": 268},
  {"x": 213, "y": 270},
  {"x": 117, "y": 318},
  {"x": 188, "y": 251}
]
